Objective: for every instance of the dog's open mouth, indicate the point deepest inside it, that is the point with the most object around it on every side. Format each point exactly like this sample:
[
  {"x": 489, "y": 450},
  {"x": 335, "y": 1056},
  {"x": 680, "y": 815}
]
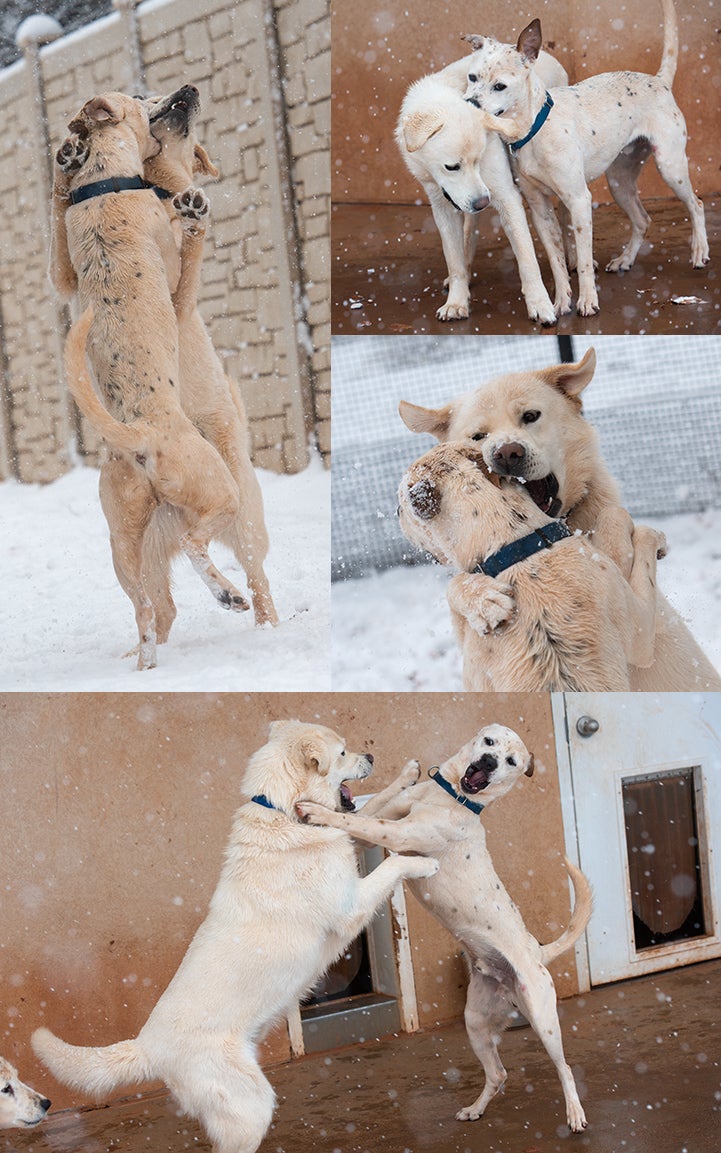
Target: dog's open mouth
[
  {"x": 544, "y": 493},
  {"x": 476, "y": 778},
  {"x": 346, "y": 799},
  {"x": 178, "y": 110}
]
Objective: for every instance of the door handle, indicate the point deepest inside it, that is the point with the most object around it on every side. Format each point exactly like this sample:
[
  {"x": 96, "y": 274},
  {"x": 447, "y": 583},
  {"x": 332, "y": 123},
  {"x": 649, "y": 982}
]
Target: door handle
[{"x": 587, "y": 726}]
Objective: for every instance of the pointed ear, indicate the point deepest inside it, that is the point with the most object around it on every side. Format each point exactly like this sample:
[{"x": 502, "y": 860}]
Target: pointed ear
[
  {"x": 530, "y": 40},
  {"x": 314, "y": 752},
  {"x": 103, "y": 108},
  {"x": 571, "y": 379},
  {"x": 202, "y": 162},
  {"x": 476, "y": 42},
  {"x": 433, "y": 420},
  {"x": 418, "y": 127},
  {"x": 531, "y": 766}
]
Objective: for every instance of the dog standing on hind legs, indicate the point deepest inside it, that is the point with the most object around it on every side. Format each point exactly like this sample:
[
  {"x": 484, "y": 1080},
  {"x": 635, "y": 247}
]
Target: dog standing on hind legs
[{"x": 508, "y": 965}]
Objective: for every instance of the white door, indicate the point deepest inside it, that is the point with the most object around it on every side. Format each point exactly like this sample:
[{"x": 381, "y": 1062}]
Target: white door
[{"x": 641, "y": 790}]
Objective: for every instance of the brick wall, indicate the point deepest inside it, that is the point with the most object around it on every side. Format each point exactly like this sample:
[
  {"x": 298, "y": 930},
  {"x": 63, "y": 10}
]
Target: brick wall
[{"x": 263, "y": 70}]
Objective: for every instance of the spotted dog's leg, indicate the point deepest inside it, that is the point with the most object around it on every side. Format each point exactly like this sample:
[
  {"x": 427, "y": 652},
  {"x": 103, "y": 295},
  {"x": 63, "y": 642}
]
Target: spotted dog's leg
[
  {"x": 69, "y": 158},
  {"x": 191, "y": 209}
]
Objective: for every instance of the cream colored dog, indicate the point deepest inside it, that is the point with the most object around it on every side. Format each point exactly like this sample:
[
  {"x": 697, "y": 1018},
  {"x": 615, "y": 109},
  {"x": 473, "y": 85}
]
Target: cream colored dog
[
  {"x": 508, "y": 966},
  {"x": 452, "y": 151},
  {"x": 584, "y": 609},
  {"x": 20, "y": 1106},
  {"x": 116, "y": 248},
  {"x": 530, "y": 425},
  {"x": 289, "y": 900},
  {"x": 609, "y": 123}
]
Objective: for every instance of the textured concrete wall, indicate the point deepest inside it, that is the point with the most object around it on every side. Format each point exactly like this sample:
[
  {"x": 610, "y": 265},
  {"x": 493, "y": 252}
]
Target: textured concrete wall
[{"x": 266, "y": 274}]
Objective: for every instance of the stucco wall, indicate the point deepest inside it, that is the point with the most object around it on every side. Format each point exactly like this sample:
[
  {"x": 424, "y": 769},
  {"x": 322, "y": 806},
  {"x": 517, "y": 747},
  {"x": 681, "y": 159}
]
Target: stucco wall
[
  {"x": 116, "y": 809},
  {"x": 266, "y": 272}
]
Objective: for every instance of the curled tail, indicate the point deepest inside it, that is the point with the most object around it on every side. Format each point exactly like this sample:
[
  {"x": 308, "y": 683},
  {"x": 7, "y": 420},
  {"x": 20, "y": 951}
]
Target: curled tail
[
  {"x": 582, "y": 908},
  {"x": 128, "y": 437},
  {"x": 669, "y": 60},
  {"x": 94, "y": 1071}
]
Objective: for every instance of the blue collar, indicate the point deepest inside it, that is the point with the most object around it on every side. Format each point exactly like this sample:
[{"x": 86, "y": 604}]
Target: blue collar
[
  {"x": 536, "y": 126},
  {"x": 261, "y": 800},
  {"x": 116, "y": 184},
  {"x": 519, "y": 550},
  {"x": 435, "y": 775}
]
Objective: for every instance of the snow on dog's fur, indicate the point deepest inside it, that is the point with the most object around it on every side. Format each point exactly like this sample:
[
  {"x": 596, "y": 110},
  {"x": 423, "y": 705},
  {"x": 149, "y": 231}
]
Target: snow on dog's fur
[
  {"x": 288, "y": 901},
  {"x": 20, "y": 1106}
]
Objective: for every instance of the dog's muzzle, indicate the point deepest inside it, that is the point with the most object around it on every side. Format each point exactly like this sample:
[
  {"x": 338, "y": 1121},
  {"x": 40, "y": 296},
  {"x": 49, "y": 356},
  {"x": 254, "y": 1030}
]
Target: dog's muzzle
[
  {"x": 177, "y": 111},
  {"x": 477, "y": 776}
]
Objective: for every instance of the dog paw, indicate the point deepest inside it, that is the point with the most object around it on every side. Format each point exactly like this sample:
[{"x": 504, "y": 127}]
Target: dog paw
[
  {"x": 72, "y": 154},
  {"x": 542, "y": 313},
  {"x": 587, "y": 306},
  {"x": 191, "y": 208},
  {"x": 661, "y": 546},
  {"x": 417, "y": 867},
  {"x": 484, "y": 602},
  {"x": 452, "y": 311},
  {"x": 620, "y": 263},
  {"x": 309, "y": 812},
  {"x": 409, "y": 774},
  {"x": 471, "y": 1113},
  {"x": 562, "y": 303},
  {"x": 576, "y": 1119}
]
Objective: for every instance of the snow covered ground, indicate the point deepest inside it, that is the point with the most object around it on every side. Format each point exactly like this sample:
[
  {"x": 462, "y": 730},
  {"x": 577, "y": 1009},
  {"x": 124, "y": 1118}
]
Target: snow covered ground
[
  {"x": 392, "y": 631},
  {"x": 65, "y": 623}
]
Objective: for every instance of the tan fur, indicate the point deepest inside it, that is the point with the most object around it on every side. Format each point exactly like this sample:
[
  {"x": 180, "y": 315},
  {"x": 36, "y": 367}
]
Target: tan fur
[
  {"x": 288, "y": 902},
  {"x": 119, "y": 252},
  {"x": 507, "y": 964},
  {"x": 20, "y": 1106},
  {"x": 553, "y": 641},
  {"x": 563, "y": 443}
]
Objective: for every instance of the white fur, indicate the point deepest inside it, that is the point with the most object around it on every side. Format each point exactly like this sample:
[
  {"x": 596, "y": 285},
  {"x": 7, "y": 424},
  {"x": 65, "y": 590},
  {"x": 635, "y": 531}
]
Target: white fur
[{"x": 20, "y": 1106}]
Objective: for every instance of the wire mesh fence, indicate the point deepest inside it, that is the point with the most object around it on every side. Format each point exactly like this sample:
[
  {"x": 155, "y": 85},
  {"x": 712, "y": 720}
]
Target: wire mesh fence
[{"x": 656, "y": 403}]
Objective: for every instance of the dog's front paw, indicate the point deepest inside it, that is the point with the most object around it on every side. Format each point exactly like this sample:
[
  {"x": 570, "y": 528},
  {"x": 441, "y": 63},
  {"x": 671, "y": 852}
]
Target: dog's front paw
[
  {"x": 191, "y": 208},
  {"x": 484, "y": 602},
  {"x": 311, "y": 813},
  {"x": 409, "y": 774},
  {"x": 417, "y": 867},
  {"x": 587, "y": 304},
  {"x": 542, "y": 312},
  {"x": 452, "y": 310},
  {"x": 72, "y": 154}
]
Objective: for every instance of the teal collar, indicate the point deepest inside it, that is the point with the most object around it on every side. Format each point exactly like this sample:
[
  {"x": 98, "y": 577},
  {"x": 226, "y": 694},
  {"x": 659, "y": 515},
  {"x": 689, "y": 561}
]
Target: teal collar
[
  {"x": 262, "y": 800},
  {"x": 537, "y": 124},
  {"x": 435, "y": 775}
]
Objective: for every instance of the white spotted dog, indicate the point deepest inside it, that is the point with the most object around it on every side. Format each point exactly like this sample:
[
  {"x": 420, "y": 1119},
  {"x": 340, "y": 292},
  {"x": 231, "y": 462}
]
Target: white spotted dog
[
  {"x": 564, "y": 138},
  {"x": 450, "y": 149},
  {"x": 508, "y": 965},
  {"x": 20, "y": 1106}
]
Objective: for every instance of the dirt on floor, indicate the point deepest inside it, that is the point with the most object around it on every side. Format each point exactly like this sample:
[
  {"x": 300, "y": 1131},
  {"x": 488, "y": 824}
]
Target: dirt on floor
[
  {"x": 646, "y": 1055},
  {"x": 388, "y": 272}
]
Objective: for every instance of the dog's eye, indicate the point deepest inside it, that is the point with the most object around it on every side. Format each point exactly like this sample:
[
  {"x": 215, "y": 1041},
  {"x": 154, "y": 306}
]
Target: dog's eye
[
  {"x": 8, "y": 1089},
  {"x": 511, "y": 761},
  {"x": 531, "y": 416},
  {"x": 472, "y": 77},
  {"x": 488, "y": 741},
  {"x": 452, "y": 167},
  {"x": 499, "y": 87},
  {"x": 479, "y": 436}
]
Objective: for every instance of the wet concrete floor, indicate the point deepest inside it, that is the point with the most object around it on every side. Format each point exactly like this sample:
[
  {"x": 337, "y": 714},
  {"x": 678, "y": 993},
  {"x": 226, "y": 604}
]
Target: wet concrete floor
[
  {"x": 388, "y": 271},
  {"x": 646, "y": 1055}
]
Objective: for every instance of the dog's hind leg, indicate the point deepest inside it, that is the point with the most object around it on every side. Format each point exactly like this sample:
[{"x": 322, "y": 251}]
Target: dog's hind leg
[
  {"x": 128, "y": 503},
  {"x": 670, "y": 157},
  {"x": 535, "y": 996},
  {"x": 622, "y": 177},
  {"x": 233, "y": 1101},
  {"x": 485, "y": 1017}
]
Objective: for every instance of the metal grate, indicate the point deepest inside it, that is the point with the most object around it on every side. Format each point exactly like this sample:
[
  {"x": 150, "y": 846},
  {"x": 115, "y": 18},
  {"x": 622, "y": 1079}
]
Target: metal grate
[{"x": 656, "y": 403}]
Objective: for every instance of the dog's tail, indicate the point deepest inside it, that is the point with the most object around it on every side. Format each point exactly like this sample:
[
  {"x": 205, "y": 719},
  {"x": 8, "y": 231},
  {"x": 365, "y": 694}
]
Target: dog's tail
[
  {"x": 582, "y": 908},
  {"x": 128, "y": 437},
  {"x": 93, "y": 1071},
  {"x": 669, "y": 60}
]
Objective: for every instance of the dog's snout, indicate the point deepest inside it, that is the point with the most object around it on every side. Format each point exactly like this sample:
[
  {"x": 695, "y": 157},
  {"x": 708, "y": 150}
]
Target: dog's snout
[
  {"x": 369, "y": 758},
  {"x": 481, "y": 203},
  {"x": 508, "y": 459},
  {"x": 488, "y": 762},
  {"x": 45, "y": 1103}
]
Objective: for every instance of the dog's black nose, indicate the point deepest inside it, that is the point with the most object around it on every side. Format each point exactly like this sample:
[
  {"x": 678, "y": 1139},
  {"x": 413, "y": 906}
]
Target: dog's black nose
[
  {"x": 369, "y": 758},
  {"x": 471, "y": 100},
  {"x": 508, "y": 459},
  {"x": 488, "y": 762},
  {"x": 45, "y": 1104}
]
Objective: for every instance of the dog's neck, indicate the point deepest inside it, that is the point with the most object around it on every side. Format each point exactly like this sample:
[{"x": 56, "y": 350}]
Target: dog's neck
[
  {"x": 494, "y": 524},
  {"x": 104, "y": 163},
  {"x": 164, "y": 172}
]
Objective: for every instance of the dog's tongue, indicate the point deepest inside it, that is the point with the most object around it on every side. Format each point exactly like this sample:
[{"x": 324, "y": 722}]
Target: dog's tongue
[
  {"x": 346, "y": 799},
  {"x": 475, "y": 778},
  {"x": 544, "y": 493}
]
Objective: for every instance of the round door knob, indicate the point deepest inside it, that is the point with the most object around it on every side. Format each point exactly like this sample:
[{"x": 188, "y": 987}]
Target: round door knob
[{"x": 587, "y": 726}]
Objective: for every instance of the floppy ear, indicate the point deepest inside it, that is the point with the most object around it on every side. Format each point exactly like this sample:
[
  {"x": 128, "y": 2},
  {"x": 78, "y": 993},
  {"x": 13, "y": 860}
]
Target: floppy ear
[
  {"x": 101, "y": 109},
  {"x": 530, "y": 40},
  {"x": 425, "y": 498},
  {"x": 433, "y": 420},
  {"x": 476, "y": 42},
  {"x": 202, "y": 162},
  {"x": 314, "y": 752},
  {"x": 571, "y": 379},
  {"x": 419, "y": 127},
  {"x": 531, "y": 766}
]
